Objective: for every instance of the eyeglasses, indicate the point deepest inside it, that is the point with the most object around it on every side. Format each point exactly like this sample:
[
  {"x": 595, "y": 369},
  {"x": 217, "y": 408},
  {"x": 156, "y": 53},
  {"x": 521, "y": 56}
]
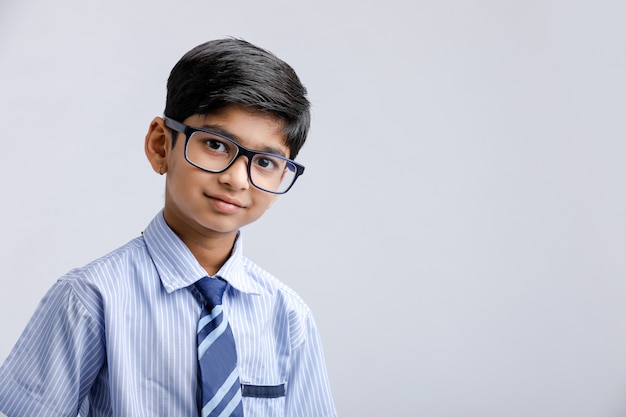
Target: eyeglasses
[{"x": 214, "y": 153}]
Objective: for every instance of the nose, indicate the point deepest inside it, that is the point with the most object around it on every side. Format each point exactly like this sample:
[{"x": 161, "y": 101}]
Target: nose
[{"x": 236, "y": 176}]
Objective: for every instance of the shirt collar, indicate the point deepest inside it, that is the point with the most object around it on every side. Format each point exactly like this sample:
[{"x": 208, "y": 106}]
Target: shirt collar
[{"x": 178, "y": 268}]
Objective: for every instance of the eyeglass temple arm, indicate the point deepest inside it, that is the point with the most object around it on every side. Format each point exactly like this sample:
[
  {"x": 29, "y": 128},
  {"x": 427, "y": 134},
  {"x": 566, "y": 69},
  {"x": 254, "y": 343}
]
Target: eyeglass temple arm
[{"x": 173, "y": 124}]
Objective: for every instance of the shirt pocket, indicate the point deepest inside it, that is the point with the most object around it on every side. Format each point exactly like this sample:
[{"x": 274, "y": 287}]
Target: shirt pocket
[{"x": 263, "y": 400}]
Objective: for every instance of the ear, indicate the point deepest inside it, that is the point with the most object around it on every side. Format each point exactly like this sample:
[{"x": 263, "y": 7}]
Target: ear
[{"x": 157, "y": 145}]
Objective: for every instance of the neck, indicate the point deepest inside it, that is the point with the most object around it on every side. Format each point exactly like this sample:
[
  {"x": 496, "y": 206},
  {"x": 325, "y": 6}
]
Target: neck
[
  {"x": 210, "y": 250},
  {"x": 211, "y": 254}
]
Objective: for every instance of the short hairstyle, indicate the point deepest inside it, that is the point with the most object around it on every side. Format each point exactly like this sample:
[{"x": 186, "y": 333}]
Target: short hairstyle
[{"x": 226, "y": 72}]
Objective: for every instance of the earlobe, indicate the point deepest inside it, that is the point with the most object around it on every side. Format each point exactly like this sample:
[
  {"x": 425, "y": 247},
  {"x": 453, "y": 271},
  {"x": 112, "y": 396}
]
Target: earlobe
[{"x": 156, "y": 145}]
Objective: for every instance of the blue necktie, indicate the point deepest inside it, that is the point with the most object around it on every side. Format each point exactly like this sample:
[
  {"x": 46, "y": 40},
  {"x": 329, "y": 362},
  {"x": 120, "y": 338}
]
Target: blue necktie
[{"x": 217, "y": 357}]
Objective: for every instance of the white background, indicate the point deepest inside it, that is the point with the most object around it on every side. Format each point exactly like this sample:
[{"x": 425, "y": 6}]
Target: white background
[{"x": 460, "y": 231}]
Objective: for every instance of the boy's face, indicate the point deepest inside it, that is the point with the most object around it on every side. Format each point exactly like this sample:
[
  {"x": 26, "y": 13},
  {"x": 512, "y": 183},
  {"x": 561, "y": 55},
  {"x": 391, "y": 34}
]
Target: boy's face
[{"x": 204, "y": 204}]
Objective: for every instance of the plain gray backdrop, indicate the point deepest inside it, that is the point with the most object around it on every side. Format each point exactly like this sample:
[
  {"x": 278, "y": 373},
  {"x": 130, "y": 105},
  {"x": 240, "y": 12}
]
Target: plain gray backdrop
[{"x": 460, "y": 231}]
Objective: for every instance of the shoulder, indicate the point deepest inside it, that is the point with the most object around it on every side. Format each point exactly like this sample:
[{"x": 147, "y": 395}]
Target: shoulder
[
  {"x": 108, "y": 267},
  {"x": 109, "y": 274},
  {"x": 286, "y": 304},
  {"x": 273, "y": 287}
]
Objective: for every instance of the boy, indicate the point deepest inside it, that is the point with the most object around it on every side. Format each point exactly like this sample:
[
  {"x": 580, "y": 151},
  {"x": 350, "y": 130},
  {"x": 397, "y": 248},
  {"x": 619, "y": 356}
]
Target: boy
[{"x": 122, "y": 336}]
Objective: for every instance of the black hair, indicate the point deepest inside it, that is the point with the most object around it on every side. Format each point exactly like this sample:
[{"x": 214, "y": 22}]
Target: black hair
[{"x": 226, "y": 72}]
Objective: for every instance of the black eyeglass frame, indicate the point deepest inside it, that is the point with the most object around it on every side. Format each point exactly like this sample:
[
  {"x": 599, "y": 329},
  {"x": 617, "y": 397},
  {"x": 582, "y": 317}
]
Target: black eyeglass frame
[{"x": 241, "y": 151}]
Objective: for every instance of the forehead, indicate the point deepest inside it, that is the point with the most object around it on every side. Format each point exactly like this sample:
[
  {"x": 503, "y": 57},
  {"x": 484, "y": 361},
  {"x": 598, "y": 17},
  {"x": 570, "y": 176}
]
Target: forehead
[{"x": 257, "y": 131}]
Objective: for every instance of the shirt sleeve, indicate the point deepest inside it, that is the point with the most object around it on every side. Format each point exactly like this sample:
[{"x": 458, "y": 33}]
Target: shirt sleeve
[
  {"x": 308, "y": 390},
  {"x": 55, "y": 361}
]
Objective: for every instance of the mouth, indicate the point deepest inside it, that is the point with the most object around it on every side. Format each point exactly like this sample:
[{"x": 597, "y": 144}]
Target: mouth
[{"x": 226, "y": 203}]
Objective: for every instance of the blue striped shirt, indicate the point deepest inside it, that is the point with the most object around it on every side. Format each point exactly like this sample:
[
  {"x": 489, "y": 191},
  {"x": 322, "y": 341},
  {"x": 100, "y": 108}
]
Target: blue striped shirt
[{"x": 118, "y": 338}]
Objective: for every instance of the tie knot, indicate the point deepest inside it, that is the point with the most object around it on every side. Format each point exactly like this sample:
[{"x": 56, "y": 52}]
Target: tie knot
[{"x": 212, "y": 289}]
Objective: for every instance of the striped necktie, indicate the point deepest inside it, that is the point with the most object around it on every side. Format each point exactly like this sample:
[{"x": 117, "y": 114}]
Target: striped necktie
[{"x": 217, "y": 357}]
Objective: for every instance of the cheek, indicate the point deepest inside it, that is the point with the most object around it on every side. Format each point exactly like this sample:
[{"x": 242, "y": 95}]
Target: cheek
[
  {"x": 183, "y": 181},
  {"x": 272, "y": 200},
  {"x": 264, "y": 201}
]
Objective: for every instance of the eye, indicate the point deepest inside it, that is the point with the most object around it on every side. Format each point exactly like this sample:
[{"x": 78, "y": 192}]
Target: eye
[
  {"x": 216, "y": 145},
  {"x": 265, "y": 163}
]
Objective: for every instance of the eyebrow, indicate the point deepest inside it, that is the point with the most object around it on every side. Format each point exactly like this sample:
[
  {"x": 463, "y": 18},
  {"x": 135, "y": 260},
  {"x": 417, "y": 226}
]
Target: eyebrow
[{"x": 230, "y": 135}]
